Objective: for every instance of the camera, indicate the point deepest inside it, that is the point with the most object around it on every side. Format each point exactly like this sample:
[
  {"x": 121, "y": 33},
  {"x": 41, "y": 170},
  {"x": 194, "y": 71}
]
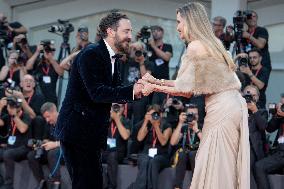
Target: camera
[
  {"x": 190, "y": 117},
  {"x": 139, "y": 53},
  {"x": 243, "y": 61},
  {"x": 47, "y": 45},
  {"x": 115, "y": 108},
  {"x": 64, "y": 27},
  {"x": 175, "y": 101},
  {"x": 145, "y": 33},
  {"x": 37, "y": 146},
  {"x": 14, "y": 102},
  {"x": 155, "y": 116},
  {"x": 248, "y": 97},
  {"x": 272, "y": 108}
]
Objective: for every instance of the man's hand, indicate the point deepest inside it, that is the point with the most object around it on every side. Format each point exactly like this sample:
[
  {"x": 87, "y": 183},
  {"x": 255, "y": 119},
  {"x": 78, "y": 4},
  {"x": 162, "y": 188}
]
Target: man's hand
[
  {"x": 39, "y": 48},
  {"x": 182, "y": 118},
  {"x": 15, "y": 93},
  {"x": 252, "y": 107},
  {"x": 140, "y": 59},
  {"x": 246, "y": 34},
  {"x": 115, "y": 115},
  {"x": 50, "y": 145},
  {"x": 3, "y": 103},
  {"x": 152, "y": 43},
  {"x": 246, "y": 70},
  {"x": 48, "y": 56}
]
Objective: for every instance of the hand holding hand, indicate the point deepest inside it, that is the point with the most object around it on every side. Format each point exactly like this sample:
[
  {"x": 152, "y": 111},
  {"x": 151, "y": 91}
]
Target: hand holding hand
[
  {"x": 138, "y": 87},
  {"x": 149, "y": 78}
]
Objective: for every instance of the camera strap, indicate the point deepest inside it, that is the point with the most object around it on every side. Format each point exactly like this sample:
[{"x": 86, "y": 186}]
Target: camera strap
[
  {"x": 154, "y": 138},
  {"x": 113, "y": 129}
]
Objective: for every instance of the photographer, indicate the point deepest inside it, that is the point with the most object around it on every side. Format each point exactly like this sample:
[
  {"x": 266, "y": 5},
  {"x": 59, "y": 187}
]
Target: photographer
[
  {"x": 154, "y": 133},
  {"x": 17, "y": 124},
  {"x": 118, "y": 134},
  {"x": 226, "y": 37},
  {"x": 275, "y": 161},
  {"x": 46, "y": 150},
  {"x": 160, "y": 53},
  {"x": 256, "y": 74},
  {"x": 186, "y": 136},
  {"x": 31, "y": 103},
  {"x": 82, "y": 40},
  {"x": 7, "y": 33},
  {"x": 45, "y": 69},
  {"x": 257, "y": 37},
  {"x": 257, "y": 122},
  {"x": 21, "y": 44},
  {"x": 14, "y": 70}
]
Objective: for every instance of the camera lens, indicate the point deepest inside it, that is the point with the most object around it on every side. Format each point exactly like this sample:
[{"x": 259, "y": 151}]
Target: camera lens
[
  {"x": 115, "y": 108},
  {"x": 138, "y": 53},
  {"x": 243, "y": 62},
  {"x": 155, "y": 116}
]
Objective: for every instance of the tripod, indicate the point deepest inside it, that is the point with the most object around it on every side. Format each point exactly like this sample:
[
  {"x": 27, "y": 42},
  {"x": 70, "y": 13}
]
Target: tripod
[{"x": 63, "y": 53}]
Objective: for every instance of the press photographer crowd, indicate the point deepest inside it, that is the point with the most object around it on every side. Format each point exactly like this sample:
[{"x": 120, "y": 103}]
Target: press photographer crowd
[{"x": 153, "y": 133}]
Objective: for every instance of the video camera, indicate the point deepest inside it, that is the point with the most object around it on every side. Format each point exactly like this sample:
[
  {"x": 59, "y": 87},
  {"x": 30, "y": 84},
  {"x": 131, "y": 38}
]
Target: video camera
[
  {"x": 47, "y": 45},
  {"x": 36, "y": 145},
  {"x": 64, "y": 27},
  {"x": 14, "y": 102}
]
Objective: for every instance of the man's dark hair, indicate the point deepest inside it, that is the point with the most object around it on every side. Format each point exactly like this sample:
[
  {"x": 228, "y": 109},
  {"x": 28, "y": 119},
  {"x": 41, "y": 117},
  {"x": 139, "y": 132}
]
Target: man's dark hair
[
  {"x": 47, "y": 107},
  {"x": 110, "y": 21},
  {"x": 255, "y": 50}
]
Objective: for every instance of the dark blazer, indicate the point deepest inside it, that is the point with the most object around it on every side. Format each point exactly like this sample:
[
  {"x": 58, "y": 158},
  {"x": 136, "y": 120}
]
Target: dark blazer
[
  {"x": 257, "y": 125},
  {"x": 84, "y": 115}
]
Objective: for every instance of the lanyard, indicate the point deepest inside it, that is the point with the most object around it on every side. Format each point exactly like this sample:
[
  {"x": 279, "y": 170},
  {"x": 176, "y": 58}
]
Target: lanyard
[
  {"x": 13, "y": 124},
  {"x": 154, "y": 138},
  {"x": 113, "y": 129},
  {"x": 257, "y": 72},
  {"x": 45, "y": 71}
]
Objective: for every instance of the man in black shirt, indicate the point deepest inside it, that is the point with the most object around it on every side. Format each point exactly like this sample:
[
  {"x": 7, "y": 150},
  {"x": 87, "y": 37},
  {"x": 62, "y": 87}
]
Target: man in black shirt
[
  {"x": 7, "y": 32},
  {"x": 154, "y": 133},
  {"x": 118, "y": 134},
  {"x": 46, "y": 71},
  {"x": 31, "y": 102},
  {"x": 187, "y": 136},
  {"x": 275, "y": 161},
  {"x": 258, "y": 75},
  {"x": 160, "y": 53},
  {"x": 257, "y": 37},
  {"x": 17, "y": 123},
  {"x": 50, "y": 150}
]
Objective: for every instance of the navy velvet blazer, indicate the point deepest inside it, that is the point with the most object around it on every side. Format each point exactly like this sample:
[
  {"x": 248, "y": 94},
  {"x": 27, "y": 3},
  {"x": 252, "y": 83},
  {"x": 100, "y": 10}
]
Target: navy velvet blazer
[{"x": 84, "y": 115}]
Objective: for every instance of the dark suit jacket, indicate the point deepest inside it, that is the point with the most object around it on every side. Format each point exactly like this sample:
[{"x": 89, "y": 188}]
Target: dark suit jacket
[
  {"x": 84, "y": 116},
  {"x": 257, "y": 125}
]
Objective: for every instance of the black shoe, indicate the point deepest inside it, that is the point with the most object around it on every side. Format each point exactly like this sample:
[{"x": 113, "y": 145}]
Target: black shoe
[{"x": 41, "y": 185}]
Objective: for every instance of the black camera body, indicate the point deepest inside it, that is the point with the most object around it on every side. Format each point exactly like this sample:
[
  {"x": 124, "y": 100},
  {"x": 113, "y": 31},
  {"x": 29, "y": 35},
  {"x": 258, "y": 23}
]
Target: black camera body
[
  {"x": 272, "y": 108},
  {"x": 115, "y": 108},
  {"x": 14, "y": 102},
  {"x": 155, "y": 115},
  {"x": 145, "y": 33},
  {"x": 248, "y": 97},
  {"x": 190, "y": 117},
  {"x": 64, "y": 27},
  {"x": 175, "y": 101},
  {"x": 47, "y": 45},
  {"x": 139, "y": 53},
  {"x": 36, "y": 145}
]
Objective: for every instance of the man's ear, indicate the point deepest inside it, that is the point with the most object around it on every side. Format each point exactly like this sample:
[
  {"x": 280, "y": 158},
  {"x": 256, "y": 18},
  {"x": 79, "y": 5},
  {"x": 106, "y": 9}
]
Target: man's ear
[{"x": 110, "y": 32}]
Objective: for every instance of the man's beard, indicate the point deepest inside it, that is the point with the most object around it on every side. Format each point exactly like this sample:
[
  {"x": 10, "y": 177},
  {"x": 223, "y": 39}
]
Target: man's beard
[{"x": 121, "y": 46}]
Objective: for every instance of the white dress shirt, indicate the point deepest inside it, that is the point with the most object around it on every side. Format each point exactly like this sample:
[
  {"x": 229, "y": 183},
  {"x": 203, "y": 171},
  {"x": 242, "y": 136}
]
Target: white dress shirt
[{"x": 111, "y": 54}]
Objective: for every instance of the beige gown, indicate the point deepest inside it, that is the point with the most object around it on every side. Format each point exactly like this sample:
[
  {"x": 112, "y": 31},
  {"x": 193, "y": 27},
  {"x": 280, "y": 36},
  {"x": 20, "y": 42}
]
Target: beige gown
[{"x": 222, "y": 160}]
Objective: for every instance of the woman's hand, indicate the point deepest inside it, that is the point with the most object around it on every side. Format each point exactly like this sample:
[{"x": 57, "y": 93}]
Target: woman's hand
[{"x": 149, "y": 78}]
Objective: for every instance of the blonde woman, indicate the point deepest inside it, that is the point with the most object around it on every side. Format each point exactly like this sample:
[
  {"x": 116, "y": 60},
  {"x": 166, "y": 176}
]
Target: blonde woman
[{"x": 222, "y": 161}]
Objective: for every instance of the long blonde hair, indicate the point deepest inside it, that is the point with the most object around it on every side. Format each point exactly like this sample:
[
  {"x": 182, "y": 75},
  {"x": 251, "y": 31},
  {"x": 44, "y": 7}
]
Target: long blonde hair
[{"x": 199, "y": 27}]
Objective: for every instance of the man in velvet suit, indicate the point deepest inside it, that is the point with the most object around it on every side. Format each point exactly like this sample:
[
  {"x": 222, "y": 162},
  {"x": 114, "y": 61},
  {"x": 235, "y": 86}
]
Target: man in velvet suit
[{"x": 94, "y": 84}]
